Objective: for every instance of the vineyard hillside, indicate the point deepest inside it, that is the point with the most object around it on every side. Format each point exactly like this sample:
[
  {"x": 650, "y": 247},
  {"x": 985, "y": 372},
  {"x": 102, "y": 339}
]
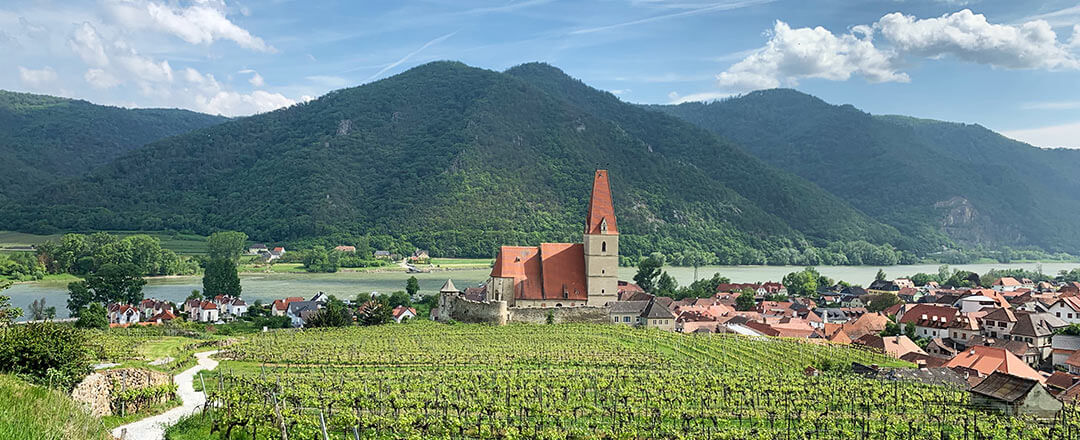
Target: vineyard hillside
[{"x": 575, "y": 381}]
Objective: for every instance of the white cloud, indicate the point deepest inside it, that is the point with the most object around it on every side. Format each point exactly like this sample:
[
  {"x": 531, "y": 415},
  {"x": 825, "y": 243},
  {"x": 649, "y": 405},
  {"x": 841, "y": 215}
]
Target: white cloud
[
  {"x": 37, "y": 77},
  {"x": 792, "y": 54},
  {"x": 86, "y": 43},
  {"x": 970, "y": 37},
  {"x": 143, "y": 68},
  {"x": 202, "y": 22},
  {"x": 675, "y": 98},
  {"x": 101, "y": 79},
  {"x": 1065, "y": 135},
  {"x": 232, "y": 103},
  {"x": 257, "y": 80}
]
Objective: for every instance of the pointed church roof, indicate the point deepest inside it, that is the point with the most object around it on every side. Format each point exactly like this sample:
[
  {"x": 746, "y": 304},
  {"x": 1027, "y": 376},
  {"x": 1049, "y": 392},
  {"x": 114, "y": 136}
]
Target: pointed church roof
[
  {"x": 449, "y": 286},
  {"x": 601, "y": 209}
]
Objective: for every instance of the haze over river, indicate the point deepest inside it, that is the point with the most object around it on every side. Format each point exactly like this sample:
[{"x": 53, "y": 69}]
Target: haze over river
[{"x": 269, "y": 287}]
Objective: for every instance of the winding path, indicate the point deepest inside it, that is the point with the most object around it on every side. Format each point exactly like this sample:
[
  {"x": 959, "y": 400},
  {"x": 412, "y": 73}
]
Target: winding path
[{"x": 153, "y": 427}]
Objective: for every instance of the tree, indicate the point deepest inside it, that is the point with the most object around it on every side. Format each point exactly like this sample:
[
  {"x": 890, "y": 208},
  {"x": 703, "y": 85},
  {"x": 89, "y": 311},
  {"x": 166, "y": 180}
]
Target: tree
[
  {"x": 221, "y": 278},
  {"x": 803, "y": 283},
  {"x": 119, "y": 283},
  {"x": 93, "y": 316},
  {"x": 648, "y": 271},
  {"x": 745, "y": 301},
  {"x": 882, "y": 301},
  {"x": 195, "y": 294},
  {"x": 666, "y": 285},
  {"x": 374, "y": 312},
  {"x": 227, "y": 245},
  {"x": 398, "y": 298},
  {"x": 412, "y": 286},
  {"x": 37, "y": 310},
  {"x": 318, "y": 259},
  {"x": 880, "y": 276},
  {"x": 335, "y": 314},
  {"x": 47, "y": 353},
  {"x": 8, "y": 314}
]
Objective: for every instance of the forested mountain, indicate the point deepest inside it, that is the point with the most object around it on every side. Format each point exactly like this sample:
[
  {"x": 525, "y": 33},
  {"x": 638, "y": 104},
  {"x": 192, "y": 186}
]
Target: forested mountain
[
  {"x": 460, "y": 160},
  {"x": 940, "y": 183},
  {"x": 44, "y": 138}
]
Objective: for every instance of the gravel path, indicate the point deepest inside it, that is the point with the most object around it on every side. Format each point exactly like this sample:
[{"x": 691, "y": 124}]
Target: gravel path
[{"x": 153, "y": 428}]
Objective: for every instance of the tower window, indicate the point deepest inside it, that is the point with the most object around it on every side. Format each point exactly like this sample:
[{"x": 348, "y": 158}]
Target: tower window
[{"x": 603, "y": 246}]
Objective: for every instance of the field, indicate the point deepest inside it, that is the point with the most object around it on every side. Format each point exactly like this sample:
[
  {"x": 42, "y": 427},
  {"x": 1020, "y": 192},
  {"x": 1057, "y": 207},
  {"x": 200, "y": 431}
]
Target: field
[
  {"x": 454, "y": 263},
  {"x": 183, "y": 244},
  {"x": 428, "y": 380},
  {"x": 31, "y": 412}
]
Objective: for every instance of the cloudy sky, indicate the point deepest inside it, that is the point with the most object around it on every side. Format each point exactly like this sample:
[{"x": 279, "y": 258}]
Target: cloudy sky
[{"x": 1013, "y": 66}]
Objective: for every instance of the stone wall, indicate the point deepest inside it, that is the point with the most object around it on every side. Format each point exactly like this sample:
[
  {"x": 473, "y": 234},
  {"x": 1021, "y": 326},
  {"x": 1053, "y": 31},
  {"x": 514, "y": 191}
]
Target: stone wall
[
  {"x": 94, "y": 391},
  {"x": 456, "y": 307},
  {"x": 539, "y": 315}
]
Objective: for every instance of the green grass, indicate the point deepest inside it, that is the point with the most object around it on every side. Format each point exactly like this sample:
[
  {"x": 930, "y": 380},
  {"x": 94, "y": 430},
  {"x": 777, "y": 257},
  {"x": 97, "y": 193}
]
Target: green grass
[
  {"x": 113, "y": 421},
  {"x": 272, "y": 268},
  {"x": 462, "y": 262},
  {"x": 31, "y": 412},
  {"x": 184, "y": 244}
]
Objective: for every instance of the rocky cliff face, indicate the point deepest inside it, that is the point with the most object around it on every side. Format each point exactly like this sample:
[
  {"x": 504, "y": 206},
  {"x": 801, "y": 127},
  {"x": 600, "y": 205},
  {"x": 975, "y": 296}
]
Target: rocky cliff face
[{"x": 964, "y": 223}]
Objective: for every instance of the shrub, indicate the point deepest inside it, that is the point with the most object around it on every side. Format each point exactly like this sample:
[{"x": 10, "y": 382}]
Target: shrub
[{"x": 45, "y": 352}]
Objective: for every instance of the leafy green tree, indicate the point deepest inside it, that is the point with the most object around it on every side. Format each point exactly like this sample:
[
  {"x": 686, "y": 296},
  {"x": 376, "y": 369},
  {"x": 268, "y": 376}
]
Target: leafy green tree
[
  {"x": 891, "y": 329},
  {"x": 119, "y": 283},
  {"x": 227, "y": 245},
  {"x": 702, "y": 288},
  {"x": 398, "y": 298},
  {"x": 48, "y": 353},
  {"x": 412, "y": 286},
  {"x": 649, "y": 269},
  {"x": 882, "y": 301},
  {"x": 221, "y": 278},
  {"x": 745, "y": 301},
  {"x": 335, "y": 314},
  {"x": 37, "y": 310},
  {"x": 195, "y": 294},
  {"x": 666, "y": 285},
  {"x": 880, "y": 276},
  {"x": 93, "y": 316},
  {"x": 8, "y": 314},
  {"x": 375, "y": 312},
  {"x": 318, "y": 259},
  {"x": 803, "y": 283}
]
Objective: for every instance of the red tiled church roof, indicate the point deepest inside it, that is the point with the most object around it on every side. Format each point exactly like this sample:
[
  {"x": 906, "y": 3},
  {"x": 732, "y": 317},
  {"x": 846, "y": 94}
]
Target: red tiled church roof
[
  {"x": 600, "y": 206},
  {"x": 522, "y": 263},
  {"x": 563, "y": 267}
]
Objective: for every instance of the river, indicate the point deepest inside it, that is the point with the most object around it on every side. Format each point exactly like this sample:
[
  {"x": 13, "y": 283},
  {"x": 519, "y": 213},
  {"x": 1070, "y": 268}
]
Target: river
[{"x": 269, "y": 287}]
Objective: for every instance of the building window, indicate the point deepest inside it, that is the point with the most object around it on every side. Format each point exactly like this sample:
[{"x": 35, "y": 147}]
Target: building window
[
  {"x": 1058, "y": 314},
  {"x": 603, "y": 246},
  {"x": 626, "y": 319}
]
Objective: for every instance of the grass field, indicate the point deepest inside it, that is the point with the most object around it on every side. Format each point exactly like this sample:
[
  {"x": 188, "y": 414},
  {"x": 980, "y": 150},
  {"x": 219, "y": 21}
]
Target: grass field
[
  {"x": 31, "y": 412},
  {"x": 451, "y": 263},
  {"x": 574, "y": 381},
  {"x": 184, "y": 244}
]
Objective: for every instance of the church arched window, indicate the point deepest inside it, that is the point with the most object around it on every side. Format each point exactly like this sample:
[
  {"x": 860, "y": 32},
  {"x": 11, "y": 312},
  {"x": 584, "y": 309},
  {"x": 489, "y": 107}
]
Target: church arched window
[{"x": 603, "y": 246}]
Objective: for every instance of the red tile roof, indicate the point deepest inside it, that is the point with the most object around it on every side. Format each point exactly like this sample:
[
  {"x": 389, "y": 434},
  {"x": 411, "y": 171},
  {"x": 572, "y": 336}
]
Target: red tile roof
[
  {"x": 283, "y": 304},
  {"x": 987, "y": 360},
  {"x": 600, "y": 206},
  {"x": 523, "y": 264},
  {"x": 563, "y": 267},
  {"x": 930, "y": 315}
]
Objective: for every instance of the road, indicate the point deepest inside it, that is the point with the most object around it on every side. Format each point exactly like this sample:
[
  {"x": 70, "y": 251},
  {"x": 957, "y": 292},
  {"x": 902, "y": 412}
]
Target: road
[{"x": 153, "y": 428}]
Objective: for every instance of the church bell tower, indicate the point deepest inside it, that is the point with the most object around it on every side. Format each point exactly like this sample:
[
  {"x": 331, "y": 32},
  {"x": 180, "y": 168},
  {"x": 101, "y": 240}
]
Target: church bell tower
[{"x": 601, "y": 244}]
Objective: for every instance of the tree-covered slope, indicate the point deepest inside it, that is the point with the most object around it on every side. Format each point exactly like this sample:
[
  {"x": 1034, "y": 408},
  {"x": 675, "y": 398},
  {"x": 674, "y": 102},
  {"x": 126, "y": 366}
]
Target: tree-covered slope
[
  {"x": 44, "y": 138},
  {"x": 458, "y": 160},
  {"x": 937, "y": 182}
]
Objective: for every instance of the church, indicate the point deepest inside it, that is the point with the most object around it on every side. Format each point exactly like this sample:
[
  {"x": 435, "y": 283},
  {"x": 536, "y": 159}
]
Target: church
[{"x": 564, "y": 274}]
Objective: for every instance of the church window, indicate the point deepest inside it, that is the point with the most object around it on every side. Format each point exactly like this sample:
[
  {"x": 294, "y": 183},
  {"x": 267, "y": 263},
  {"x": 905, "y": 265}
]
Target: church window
[{"x": 603, "y": 246}]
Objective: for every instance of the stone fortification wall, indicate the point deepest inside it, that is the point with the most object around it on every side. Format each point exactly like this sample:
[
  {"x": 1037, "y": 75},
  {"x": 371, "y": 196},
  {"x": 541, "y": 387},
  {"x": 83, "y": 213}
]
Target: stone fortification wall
[
  {"x": 539, "y": 315},
  {"x": 455, "y": 307}
]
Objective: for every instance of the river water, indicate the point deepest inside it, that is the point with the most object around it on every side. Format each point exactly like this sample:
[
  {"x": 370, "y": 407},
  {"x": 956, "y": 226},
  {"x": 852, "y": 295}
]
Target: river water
[{"x": 269, "y": 287}]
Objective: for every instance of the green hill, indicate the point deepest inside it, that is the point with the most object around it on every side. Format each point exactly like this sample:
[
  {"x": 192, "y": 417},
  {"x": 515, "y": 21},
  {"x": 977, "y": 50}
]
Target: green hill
[
  {"x": 31, "y": 412},
  {"x": 44, "y": 138},
  {"x": 939, "y": 183},
  {"x": 457, "y": 160}
]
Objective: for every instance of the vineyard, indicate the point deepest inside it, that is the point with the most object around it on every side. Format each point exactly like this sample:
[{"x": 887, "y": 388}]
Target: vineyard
[{"x": 426, "y": 380}]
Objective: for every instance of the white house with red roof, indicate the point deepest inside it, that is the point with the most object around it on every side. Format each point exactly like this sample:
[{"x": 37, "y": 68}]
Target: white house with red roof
[
  {"x": 402, "y": 313},
  {"x": 930, "y": 320},
  {"x": 1006, "y": 284},
  {"x": 209, "y": 312},
  {"x": 281, "y": 306},
  {"x": 1067, "y": 308},
  {"x": 123, "y": 314}
]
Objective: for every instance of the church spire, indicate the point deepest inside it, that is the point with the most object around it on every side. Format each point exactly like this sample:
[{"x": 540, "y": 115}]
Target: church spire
[{"x": 601, "y": 216}]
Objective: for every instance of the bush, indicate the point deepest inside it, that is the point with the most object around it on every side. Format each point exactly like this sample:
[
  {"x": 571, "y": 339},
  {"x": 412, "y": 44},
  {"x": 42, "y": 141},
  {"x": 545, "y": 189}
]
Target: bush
[{"x": 46, "y": 353}]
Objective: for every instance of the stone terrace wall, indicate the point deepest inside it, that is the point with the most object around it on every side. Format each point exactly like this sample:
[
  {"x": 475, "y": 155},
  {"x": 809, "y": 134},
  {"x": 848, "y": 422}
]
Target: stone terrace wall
[
  {"x": 95, "y": 389},
  {"x": 538, "y": 315},
  {"x": 457, "y": 308}
]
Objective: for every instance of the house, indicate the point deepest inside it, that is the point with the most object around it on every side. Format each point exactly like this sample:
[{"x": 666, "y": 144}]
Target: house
[
  {"x": 162, "y": 317},
  {"x": 938, "y": 347},
  {"x": 280, "y": 306},
  {"x": 349, "y": 249},
  {"x": 974, "y": 303},
  {"x": 420, "y": 256},
  {"x": 192, "y": 307},
  {"x": 237, "y": 307},
  {"x": 642, "y": 314},
  {"x": 320, "y": 298},
  {"x": 930, "y": 320},
  {"x": 1036, "y": 329},
  {"x": 998, "y": 323},
  {"x": 1067, "y": 308},
  {"x": 123, "y": 314},
  {"x": 257, "y": 248},
  {"x": 965, "y": 327},
  {"x": 984, "y": 361},
  {"x": 895, "y": 346},
  {"x": 1015, "y": 395},
  {"x": 300, "y": 311},
  {"x": 401, "y": 313},
  {"x": 382, "y": 255},
  {"x": 1062, "y": 347},
  {"x": 277, "y": 252},
  {"x": 1073, "y": 363},
  {"x": 151, "y": 307},
  {"x": 1005, "y": 284},
  {"x": 883, "y": 286},
  {"x": 208, "y": 312},
  {"x": 909, "y": 295}
]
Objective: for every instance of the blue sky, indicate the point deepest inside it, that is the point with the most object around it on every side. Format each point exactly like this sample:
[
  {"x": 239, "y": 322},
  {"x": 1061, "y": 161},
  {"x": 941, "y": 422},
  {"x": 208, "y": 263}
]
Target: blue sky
[{"x": 1011, "y": 66}]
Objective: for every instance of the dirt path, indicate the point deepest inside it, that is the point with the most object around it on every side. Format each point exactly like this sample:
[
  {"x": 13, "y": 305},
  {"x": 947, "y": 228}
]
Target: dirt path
[{"x": 153, "y": 428}]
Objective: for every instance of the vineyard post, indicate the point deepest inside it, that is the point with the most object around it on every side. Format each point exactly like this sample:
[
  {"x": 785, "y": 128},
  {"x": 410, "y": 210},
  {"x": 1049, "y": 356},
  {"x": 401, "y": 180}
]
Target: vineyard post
[
  {"x": 322, "y": 425},
  {"x": 281, "y": 420}
]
